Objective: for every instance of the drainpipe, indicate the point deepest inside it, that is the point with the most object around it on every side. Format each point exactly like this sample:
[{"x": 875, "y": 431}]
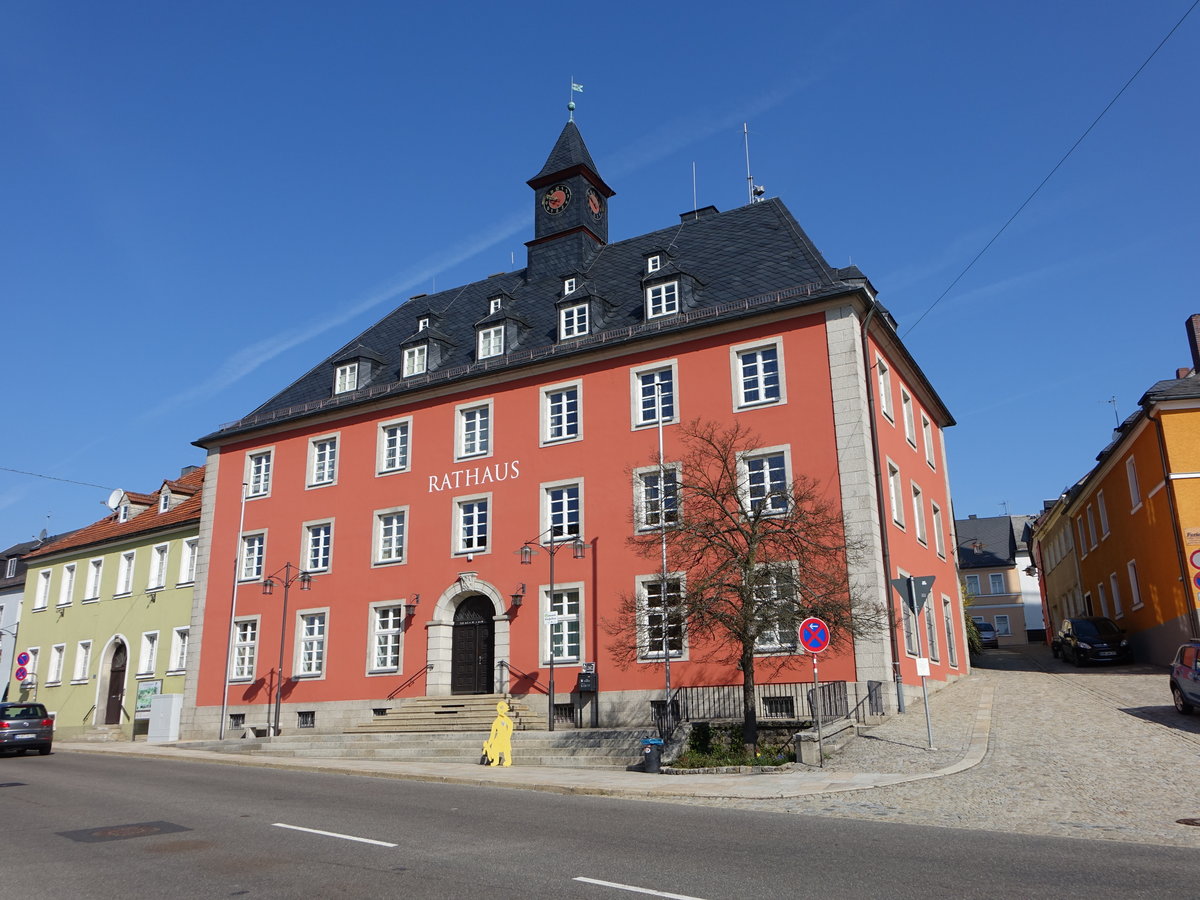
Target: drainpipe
[
  {"x": 879, "y": 504},
  {"x": 1181, "y": 553}
]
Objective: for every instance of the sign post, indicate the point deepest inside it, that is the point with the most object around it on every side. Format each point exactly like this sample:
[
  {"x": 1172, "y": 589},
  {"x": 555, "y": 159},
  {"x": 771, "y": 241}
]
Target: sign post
[
  {"x": 814, "y": 635},
  {"x": 915, "y": 593}
]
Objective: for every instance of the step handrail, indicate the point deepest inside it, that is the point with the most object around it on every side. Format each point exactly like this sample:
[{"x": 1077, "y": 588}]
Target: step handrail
[
  {"x": 418, "y": 674},
  {"x": 537, "y": 685}
]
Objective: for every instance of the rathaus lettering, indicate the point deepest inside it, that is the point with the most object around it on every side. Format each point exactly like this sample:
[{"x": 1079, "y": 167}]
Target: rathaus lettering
[{"x": 480, "y": 475}]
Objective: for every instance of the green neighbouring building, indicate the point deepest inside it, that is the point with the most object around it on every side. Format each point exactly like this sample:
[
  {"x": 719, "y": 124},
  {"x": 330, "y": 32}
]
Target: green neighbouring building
[{"x": 106, "y": 613}]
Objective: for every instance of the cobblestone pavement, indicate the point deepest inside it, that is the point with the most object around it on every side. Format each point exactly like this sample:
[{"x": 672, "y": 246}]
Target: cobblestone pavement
[{"x": 1090, "y": 753}]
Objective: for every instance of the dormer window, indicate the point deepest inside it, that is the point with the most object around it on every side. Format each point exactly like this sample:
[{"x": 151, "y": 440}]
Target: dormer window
[
  {"x": 346, "y": 378},
  {"x": 415, "y": 358},
  {"x": 662, "y": 299},
  {"x": 573, "y": 321},
  {"x": 123, "y": 512},
  {"x": 494, "y": 305},
  {"x": 491, "y": 342},
  {"x": 164, "y": 501},
  {"x": 568, "y": 286},
  {"x": 422, "y": 323},
  {"x": 653, "y": 263}
]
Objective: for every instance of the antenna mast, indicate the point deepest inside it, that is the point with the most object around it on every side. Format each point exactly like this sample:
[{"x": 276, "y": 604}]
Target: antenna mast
[{"x": 754, "y": 191}]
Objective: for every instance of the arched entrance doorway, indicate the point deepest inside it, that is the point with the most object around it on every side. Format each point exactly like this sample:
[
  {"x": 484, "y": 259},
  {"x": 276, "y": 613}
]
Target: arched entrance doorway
[
  {"x": 116, "y": 685},
  {"x": 472, "y": 650}
]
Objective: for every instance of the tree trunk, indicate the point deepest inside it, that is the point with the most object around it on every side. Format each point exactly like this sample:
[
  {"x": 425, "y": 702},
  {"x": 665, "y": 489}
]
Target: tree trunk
[{"x": 749, "y": 707}]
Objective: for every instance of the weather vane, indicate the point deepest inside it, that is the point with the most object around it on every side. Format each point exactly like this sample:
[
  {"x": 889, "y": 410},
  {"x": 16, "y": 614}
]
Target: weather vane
[{"x": 571, "y": 99}]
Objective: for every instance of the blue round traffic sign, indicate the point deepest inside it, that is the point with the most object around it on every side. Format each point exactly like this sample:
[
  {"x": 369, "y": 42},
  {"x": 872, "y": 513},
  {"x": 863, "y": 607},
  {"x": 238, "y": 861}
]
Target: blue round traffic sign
[
  {"x": 23, "y": 658},
  {"x": 20, "y": 673},
  {"x": 814, "y": 634}
]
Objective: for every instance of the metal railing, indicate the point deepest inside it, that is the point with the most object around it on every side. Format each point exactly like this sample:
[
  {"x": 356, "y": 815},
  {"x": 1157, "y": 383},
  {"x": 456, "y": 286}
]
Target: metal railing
[
  {"x": 416, "y": 676},
  {"x": 531, "y": 680},
  {"x": 773, "y": 702}
]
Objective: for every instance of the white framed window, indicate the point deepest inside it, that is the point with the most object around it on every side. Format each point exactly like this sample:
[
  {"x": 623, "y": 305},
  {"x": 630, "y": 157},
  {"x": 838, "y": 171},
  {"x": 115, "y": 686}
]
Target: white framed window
[
  {"x": 758, "y": 374},
  {"x": 884, "y": 377},
  {"x": 1115, "y": 588},
  {"x": 83, "y": 661},
  {"x": 123, "y": 513},
  {"x": 187, "y": 562},
  {"x": 569, "y": 285},
  {"x": 1135, "y": 492},
  {"x": 660, "y": 617},
  {"x": 766, "y": 483},
  {"x": 1091, "y": 523},
  {"x": 562, "y": 417},
  {"x": 562, "y": 510},
  {"x": 927, "y": 437},
  {"x": 1083, "y": 547},
  {"x": 318, "y": 546},
  {"x": 245, "y": 649},
  {"x": 422, "y": 323},
  {"x": 1103, "y": 595},
  {"x": 662, "y": 299},
  {"x": 1103, "y": 511},
  {"x": 41, "y": 596},
  {"x": 573, "y": 321},
  {"x": 562, "y": 638},
  {"x": 931, "y": 641},
  {"x": 1003, "y": 627},
  {"x": 158, "y": 566},
  {"x": 948, "y": 623},
  {"x": 472, "y": 524},
  {"x": 656, "y": 497},
  {"x": 387, "y": 636},
  {"x": 179, "y": 648},
  {"x": 310, "y": 644},
  {"x": 653, "y": 263},
  {"x": 973, "y": 585},
  {"x": 1087, "y": 604},
  {"x": 474, "y": 437},
  {"x": 996, "y": 583},
  {"x": 895, "y": 493},
  {"x": 10, "y": 567},
  {"x": 346, "y": 378},
  {"x": 939, "y": 537},
  {"x": 66, "y": 589},
  {"x": 34, "y": 652},
  {"x": 918, "y": 502},
  {"x": 491, "y": 342},
  {"x": 416, "y": 360},
  {"x": 494, "y": 304},
  {"x": 392, "y": 451},
  {"x": 54, "y": 676},
  {"x": 653, "y": 394},
  {"x": 95, "y": 570},
  {"x": 391, "y": 534},
  {"x": 164, "y": 501},
  {"x": 254, "y": 548},
  {"x": 906, "y": 409},
  {"x": 1135, "y": 591},
  {"x": 258, "y": 472},
  {"x": 322, "y": 460},
  {"x": 125, "y": 572},
  {"x": 775, "y": 598},
  {"x": 910, "y": 626},
  {"x": 148, "y": 657}
]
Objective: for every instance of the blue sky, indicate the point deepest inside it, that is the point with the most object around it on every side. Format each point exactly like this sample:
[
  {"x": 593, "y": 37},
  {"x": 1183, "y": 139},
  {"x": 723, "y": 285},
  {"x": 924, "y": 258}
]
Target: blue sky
[{"x": 203, "y": 200}]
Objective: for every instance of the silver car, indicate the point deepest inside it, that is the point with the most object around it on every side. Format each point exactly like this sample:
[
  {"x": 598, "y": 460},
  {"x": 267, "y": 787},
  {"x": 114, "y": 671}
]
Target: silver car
[{"x": 25, "y": 726}]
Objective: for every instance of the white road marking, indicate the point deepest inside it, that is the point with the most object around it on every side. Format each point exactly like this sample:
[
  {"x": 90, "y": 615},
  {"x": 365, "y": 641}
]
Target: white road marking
[
  {"x": 637, "y": 890},
  {"x": 345, "y": 837}
]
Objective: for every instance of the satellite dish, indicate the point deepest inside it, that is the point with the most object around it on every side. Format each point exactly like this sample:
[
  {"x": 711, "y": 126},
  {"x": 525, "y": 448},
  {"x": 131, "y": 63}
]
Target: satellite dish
[
  {"x": 42, "y": 536},
  {"x": 114, "y": 498}
]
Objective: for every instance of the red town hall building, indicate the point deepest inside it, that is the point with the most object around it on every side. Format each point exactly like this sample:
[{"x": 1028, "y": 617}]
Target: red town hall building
[{"x": 388, "y": 491}]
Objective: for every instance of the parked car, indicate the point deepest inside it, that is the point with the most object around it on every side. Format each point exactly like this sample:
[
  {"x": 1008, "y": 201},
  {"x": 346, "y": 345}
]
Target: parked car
[
  {"x": 1185, "y": 678},
  {"x": 1085, "y": 639},
  {"x": 24, "y": 726},
  {"x": 987, "y": 635}
]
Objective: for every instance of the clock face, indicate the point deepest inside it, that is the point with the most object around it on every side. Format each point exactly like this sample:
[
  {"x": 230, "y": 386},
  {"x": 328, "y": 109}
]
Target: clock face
[
  {"x": 595, "y": 204},
  {"x": 556, "y": 199}
]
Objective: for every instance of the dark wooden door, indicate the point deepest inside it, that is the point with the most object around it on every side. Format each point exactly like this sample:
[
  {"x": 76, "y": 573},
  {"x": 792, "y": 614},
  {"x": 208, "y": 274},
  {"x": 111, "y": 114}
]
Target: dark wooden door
[
  {"x": 116, "y": 686},
  {"x": 473, "y": 647}
]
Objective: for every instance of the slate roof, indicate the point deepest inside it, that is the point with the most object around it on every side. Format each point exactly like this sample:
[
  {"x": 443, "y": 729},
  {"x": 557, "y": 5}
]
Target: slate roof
[
  {"x": 994, "y": 534},
  {"x": 734, "y": 264},
  {"x": 19, "y": 551},
  {"x": 149, "y": 520}
]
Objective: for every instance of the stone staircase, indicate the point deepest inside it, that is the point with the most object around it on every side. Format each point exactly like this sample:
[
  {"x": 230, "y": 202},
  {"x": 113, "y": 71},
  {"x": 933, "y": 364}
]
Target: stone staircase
[
  {"x": 474, "y": 712},
  {"x": 572, "y": 748}
]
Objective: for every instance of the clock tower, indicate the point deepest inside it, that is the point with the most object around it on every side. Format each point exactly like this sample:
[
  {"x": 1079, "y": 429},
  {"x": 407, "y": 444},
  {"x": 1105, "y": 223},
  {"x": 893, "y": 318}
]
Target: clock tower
[{"x": 570, "y": 213}]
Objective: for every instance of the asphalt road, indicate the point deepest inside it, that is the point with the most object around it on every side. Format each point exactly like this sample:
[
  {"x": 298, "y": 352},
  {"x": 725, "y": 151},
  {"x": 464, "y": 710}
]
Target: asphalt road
[{"x": 219, "y": 831}]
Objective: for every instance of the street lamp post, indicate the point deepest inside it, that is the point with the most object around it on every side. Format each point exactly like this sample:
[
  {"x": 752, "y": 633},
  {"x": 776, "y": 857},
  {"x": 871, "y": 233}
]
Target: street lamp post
[
  {"x": 527, "y": 551},
  {"x": 287, "y": 576}
]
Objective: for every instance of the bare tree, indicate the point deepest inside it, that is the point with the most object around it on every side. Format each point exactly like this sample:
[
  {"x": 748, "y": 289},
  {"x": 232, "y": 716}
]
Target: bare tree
[{"x": 750, "y": 554}]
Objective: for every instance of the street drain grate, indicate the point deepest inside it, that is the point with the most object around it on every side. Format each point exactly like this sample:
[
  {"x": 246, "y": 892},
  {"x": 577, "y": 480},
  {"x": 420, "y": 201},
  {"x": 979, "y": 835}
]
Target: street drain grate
[
  {"x": 1195, "y": 822},
  {"x": 122, "y": 832}
]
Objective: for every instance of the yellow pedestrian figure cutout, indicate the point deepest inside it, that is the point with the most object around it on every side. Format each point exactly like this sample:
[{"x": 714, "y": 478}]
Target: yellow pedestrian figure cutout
[{"x": 499, "y": 742}]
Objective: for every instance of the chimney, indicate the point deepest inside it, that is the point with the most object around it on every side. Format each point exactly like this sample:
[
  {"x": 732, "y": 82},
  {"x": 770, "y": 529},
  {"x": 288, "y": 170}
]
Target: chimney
[{"x": 1193, "y": 330}]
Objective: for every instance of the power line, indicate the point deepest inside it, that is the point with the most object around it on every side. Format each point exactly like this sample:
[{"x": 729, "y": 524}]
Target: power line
[
  {"x": 72, "y": 481},
  {"x": 1058, "y": 165}
]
